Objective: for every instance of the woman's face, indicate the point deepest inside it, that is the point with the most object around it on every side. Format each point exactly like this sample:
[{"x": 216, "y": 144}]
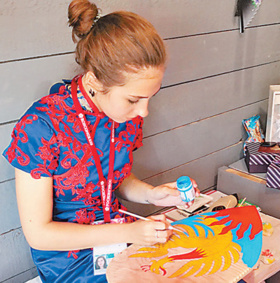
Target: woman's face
[
  {"x": 123, "y": 103},
  {"x": 101, "y": 262}
]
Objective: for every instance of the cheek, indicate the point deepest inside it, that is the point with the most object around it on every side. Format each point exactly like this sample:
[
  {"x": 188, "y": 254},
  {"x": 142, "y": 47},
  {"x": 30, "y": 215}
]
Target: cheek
[
  {"x": 120, "y": 108},
  {"x": 124, "y": 107}
]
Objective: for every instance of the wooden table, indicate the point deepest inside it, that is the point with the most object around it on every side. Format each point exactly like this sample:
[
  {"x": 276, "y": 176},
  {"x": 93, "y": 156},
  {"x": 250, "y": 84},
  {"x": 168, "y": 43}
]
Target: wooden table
[
  {"x": 269, "y": 242},
  {"x": 264, "y": 271}
]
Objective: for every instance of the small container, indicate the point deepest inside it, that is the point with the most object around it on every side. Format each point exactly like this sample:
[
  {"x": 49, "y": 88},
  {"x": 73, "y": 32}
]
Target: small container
[{"x": 186, "y": 189}]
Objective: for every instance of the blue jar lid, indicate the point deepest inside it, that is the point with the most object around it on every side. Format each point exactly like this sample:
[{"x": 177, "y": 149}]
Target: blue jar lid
[{"x": 183, "y": 182}]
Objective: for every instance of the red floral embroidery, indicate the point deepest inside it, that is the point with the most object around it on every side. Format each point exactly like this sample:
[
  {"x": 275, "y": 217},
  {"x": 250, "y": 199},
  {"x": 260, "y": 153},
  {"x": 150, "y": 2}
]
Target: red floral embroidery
[
  {"x": 73, "y": 253},
  {"x": 85, "y": 194},
  {"x": 72, "y": 118},
  {"x": 85, "y": 217},
  {"x": 139, "y": 134},
  {"x": 14, "y": 151},
  {"x": 66, "y": 156},
  {"x": 48, "y": 154}
]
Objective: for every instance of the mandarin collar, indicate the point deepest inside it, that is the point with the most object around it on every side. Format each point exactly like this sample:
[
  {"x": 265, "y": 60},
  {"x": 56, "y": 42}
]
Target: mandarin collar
[{"x": 90, "y": 104}]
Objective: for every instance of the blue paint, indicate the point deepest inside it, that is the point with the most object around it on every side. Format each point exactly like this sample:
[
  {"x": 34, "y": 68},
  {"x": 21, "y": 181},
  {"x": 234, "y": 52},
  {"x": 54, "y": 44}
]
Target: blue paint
[
  {"x": 251, "y": 249},
  {"x": 192, "y": 222},
  {"x": 186, "y": 189}
]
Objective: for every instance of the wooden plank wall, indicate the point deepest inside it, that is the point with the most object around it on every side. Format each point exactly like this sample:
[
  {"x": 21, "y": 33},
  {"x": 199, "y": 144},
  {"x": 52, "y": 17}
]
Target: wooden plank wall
[{"x": 215, "y": 78}]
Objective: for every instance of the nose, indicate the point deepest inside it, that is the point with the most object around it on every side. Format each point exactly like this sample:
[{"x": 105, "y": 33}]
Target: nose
[{"x": 143, "y": 109}]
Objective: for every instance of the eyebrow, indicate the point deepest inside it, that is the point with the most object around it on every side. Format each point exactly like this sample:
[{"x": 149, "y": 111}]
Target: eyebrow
[{"x": 139, "y": 97}]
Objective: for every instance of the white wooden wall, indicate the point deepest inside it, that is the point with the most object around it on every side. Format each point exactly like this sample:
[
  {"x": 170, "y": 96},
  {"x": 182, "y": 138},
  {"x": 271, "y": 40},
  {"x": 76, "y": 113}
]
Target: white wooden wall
[{"x": 215, "y": 78}]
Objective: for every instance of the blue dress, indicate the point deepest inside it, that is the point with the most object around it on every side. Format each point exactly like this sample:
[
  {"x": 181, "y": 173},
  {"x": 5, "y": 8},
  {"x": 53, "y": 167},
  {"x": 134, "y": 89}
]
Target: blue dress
[{"x": 49, "y": 141}]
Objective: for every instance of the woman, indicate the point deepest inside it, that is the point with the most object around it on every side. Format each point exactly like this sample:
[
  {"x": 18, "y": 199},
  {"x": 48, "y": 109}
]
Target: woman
[
  {"x": 72, "y": 149},
  {"x": 100, "y": 262}
]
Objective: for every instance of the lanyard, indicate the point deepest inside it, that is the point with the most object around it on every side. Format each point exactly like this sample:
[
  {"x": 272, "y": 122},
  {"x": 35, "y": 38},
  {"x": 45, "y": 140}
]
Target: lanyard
[{"x": 105, "y": 196}]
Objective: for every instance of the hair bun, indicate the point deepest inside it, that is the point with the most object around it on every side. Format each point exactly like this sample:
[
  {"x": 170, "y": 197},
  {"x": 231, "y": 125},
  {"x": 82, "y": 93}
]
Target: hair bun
[{"x": 81, "y": 16}]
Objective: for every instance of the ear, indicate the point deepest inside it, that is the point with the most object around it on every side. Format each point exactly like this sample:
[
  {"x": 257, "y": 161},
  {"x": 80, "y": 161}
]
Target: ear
[{"x": 92, "y": 82}]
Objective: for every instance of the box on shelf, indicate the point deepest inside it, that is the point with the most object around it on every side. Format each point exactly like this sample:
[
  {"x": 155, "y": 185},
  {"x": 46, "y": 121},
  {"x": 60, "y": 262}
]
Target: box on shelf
[
  {"x": 256, "y": 161},
  {"x": 273, "y": 174}
]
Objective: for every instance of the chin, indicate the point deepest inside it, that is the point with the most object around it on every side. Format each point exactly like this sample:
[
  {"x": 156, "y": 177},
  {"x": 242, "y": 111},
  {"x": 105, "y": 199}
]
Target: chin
[
  {"x": 123, "y": 120},
  {"x": 129, "y": 119},
  {"x": 120, "y": 120}
]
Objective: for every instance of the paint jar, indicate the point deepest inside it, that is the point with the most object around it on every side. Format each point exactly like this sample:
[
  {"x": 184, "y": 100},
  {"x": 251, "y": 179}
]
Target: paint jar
[{"x": 186, "y": 189}]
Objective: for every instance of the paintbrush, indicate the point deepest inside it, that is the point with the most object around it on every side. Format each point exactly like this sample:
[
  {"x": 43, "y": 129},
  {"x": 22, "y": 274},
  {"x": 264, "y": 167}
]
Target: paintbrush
[
  {"x": 147, "y": 219},
  {"x": 242, "y": 202}
]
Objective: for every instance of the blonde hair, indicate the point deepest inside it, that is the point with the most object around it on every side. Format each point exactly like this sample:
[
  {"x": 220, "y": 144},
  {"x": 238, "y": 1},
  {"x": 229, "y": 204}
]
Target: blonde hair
[{"x": 113, "y": 44}]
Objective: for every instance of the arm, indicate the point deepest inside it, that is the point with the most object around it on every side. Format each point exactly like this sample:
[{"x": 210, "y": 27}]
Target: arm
[
  {"x": 135, "y": 190},
  {"x": 35, "y": 204}
]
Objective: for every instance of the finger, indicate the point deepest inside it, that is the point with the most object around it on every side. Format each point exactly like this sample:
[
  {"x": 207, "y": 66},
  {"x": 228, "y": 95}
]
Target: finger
[
  {"x": 172, "y": 185},
  {"x": 162, "y": 225},
  {"x": 157, "y": 222},
  {"x": 197, "y": 192},
  {"x": 190, "y": 203},
  {"x": 158, "y": 217},
  {"x": 162, "y": 236},
  {"x": 194, "y": 183},
  {"x": 187, "y": 204},
  {"x": 160, "y": 222}
]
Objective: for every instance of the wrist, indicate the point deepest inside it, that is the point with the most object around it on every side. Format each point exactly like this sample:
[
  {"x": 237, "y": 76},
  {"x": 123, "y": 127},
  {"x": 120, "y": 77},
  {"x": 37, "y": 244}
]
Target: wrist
[
  {"x": 129, "y": 232},
  {"x": 149, "y": 195}
]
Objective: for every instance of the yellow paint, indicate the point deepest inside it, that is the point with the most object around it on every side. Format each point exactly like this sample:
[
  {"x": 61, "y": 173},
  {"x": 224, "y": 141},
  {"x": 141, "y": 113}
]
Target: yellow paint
[{"x": 218, "y": 251}]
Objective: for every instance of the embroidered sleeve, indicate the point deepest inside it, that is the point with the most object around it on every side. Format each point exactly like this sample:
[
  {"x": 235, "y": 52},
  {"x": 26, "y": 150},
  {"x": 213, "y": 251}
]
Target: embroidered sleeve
[
  {"x": 139, "y": 133},
  {"x": 33, "y": 148}
]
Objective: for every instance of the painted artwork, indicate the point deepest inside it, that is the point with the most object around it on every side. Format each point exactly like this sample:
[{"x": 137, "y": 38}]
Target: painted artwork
[
  {"x": 273, "y": 115},
  {"x": 220, "y": 246}
]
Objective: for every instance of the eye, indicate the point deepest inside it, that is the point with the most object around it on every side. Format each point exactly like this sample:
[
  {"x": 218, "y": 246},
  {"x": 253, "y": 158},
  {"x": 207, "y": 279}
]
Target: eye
[{"x": 132, "y": 101}]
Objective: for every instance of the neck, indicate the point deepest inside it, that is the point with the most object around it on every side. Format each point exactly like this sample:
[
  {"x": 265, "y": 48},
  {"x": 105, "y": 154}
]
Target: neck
[{"x": 87, "y": 88}]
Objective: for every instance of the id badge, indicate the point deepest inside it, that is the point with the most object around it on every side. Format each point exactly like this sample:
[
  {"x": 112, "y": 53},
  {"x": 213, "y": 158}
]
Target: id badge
[{"x": 103, "y": 255}]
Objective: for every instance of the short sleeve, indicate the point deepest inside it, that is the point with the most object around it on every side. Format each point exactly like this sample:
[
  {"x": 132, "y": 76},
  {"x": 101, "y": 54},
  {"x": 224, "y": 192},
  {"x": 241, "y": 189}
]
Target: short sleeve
[
  {"x": 33, "y": 147},
  {"x": 139, "y": 133}
]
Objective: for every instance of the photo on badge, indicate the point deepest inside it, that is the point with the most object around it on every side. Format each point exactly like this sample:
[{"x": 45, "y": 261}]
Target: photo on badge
[
  {"x": 100, "y": 264},
  {"x": 103, "y": 255}
]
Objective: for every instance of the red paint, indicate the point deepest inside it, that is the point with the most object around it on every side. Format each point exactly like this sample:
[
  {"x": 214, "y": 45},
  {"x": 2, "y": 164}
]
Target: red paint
[
  {"x": 240, "y": 215},
  {"x": 192, "y": 255}
]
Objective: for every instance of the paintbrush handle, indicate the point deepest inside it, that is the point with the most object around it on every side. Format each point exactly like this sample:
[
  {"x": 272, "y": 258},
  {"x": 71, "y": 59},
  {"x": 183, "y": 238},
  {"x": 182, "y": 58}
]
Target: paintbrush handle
[
  {"x": 134, "y": 215},
  {"x": 242, "y": 202},
  {"x": 146, "y": 219}
]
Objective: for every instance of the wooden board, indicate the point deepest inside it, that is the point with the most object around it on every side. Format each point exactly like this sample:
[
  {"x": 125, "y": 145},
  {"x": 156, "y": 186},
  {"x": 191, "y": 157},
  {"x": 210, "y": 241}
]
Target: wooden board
[
  {"x": 165, "y": 151},
  {"x": 211, "y": 54},
  {"x": 9, "y": 217},
  {"x": 32, "y": 22},
  {"x": 186, "y": 103},
  {"x": 20, "y": 88},
  {"x": 6, "y": 172},
  {"x": 15, "y": 255}
]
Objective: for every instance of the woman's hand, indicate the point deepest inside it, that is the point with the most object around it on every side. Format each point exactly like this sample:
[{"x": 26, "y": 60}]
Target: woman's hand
[
  {"x": 168, "y": 195},
  {"x": 150, "y": 232}
]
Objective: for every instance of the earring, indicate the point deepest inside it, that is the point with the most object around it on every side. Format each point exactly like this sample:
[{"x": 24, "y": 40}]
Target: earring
[{"x": 91, "y": 92}]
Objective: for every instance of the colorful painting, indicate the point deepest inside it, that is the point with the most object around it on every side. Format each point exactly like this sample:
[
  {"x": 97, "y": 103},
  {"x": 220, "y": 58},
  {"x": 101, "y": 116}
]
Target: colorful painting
[{"x": 219, "y": 246}]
